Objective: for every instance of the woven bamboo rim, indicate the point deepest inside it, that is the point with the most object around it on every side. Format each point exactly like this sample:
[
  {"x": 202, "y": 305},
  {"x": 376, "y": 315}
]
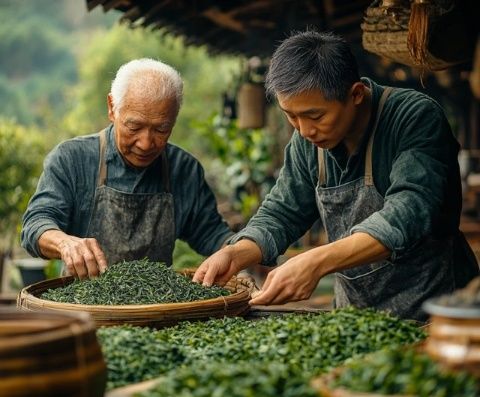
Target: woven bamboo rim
[{"x": 153, "y": 315}]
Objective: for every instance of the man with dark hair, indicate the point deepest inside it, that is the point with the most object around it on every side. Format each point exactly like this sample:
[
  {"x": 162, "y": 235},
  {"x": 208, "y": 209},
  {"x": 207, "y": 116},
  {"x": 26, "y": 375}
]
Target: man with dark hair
[{"x": 378, "y": 166}]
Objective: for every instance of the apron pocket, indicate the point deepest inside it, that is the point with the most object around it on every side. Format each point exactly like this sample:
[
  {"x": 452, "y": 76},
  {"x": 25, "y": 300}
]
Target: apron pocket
[{"x": 363, "y": 271}]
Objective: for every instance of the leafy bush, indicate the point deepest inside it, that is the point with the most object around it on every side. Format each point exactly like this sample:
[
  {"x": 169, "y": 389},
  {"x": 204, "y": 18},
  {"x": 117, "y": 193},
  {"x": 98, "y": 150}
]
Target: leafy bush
[{"x": 22, "y": 151}]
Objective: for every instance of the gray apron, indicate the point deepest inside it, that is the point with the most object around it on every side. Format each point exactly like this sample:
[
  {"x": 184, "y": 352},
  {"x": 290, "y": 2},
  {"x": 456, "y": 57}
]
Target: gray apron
[
  {"x": 401, "y": 286},
  {"x": 131, "y": 226}
]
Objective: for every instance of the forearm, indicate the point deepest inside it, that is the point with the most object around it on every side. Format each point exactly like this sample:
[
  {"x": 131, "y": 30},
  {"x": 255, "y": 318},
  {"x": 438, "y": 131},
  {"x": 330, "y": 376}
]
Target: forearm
[
  {"x": 354, "y": 250},
  {"x": 245, "y": 253},
  {"x": 50, "y": 243}
]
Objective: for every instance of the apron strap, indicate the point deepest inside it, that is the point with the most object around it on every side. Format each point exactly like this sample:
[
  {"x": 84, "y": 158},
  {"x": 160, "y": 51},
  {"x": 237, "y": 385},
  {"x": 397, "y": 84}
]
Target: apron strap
[
  {"x": 102, "y": 167},
  {"x": 165, "y": 174},
  {"x": 322, "y": 177},
  {"x": 368, "y": 156}
]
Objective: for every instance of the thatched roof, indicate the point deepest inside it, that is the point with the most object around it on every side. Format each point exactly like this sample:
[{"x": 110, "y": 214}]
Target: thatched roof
[{"x": 248, "y": 27}]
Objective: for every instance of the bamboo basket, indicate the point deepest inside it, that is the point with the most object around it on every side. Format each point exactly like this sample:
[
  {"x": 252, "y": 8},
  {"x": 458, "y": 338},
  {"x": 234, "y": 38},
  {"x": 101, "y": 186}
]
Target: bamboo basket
[
  {"x": 49, "y": 354},
  {"x": 152, "y": 315},
  {"x": 386, "y": 33}
]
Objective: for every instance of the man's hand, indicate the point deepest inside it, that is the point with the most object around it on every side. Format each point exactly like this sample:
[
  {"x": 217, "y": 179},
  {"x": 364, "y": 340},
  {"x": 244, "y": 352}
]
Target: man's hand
[
  {"x": 297, "y": 278},
  {"x": 293, "y": 281},
  {"x": 83, "y": 257},
  {"x": 222, "y": 265},
  {"x": 217, "y": 268}
]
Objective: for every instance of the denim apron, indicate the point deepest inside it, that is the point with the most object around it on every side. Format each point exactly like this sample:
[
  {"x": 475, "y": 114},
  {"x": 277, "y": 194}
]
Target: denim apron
[
  {"x": 399, "y": 286},
  {"x": 131, "y": 226}
]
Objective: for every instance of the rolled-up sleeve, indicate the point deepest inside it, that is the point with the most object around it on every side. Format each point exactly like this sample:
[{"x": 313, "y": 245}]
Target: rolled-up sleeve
[
  {"x": 289, "y": 210},
  {"x": 418, "y": 181},
  {"x": 51, "y": 205}
]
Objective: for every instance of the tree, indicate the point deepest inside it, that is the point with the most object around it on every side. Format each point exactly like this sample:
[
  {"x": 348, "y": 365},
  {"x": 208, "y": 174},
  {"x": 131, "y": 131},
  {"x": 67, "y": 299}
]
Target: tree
[{"x": 21, "y": 154}]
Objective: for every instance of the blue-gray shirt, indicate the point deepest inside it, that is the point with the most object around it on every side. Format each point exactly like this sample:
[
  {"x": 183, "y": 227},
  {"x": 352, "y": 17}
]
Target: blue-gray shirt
[{"x": 65, "y": 193}]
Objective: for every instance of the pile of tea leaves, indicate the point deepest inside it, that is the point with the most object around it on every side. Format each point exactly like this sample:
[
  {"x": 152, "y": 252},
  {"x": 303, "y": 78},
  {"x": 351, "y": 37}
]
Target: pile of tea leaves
[
  {"x": 134, "y": 354},
  {"x": 134, "y": 283},
  {"x": 306, "y": 344},
  {"x": 232, "y": 380},
  {"x": 395, "y": 371}
]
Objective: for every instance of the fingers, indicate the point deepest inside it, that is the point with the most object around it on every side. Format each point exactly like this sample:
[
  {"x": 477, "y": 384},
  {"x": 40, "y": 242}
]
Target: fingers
[
  {"x": 99, "y": 258},
  {"x": 83, "y": 257},
  {"x": 200, "y": 273},
  {"x": 277, "y": 290},
  {"x": 210, "y": 275}
]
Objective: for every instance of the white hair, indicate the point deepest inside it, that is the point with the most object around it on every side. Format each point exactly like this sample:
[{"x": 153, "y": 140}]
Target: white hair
[{"x": 154, "y": 79}]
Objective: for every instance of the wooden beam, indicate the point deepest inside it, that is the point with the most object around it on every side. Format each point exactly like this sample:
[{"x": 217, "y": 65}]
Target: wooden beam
[
  {"x": 224, "y": 19},
  {"x": 110, "y": 4}
]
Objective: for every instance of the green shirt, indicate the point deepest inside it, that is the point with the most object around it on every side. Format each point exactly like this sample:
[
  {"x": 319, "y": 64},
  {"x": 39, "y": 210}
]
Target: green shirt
[{"x": 415, "y": 169}]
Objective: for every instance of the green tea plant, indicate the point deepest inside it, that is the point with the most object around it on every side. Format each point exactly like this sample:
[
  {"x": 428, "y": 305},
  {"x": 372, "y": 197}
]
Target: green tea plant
[
  {"x": 405, "y": 372},
  {"x": 307, "y": 344},
  {"x": 134, "y": 283},
  {"x": 233, "y": 380},
  {"x": 134, "y": 354}
]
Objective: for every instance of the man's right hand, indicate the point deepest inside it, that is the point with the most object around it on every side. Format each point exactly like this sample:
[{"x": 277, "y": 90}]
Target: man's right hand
[
  {"x": 83, "y": 257},
  {"x": 218, "y": 268},
  {"x": 222, "y": 265}
]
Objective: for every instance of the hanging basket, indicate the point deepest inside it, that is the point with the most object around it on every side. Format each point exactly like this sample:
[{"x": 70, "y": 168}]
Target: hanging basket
[
  {"x": 152, "y": 315},
  {"x": 475, "y": 74},
  {"x": 251, "y": 106},
  {"x": 49, "y": 354},
  {"x": 428, "y": 34}
]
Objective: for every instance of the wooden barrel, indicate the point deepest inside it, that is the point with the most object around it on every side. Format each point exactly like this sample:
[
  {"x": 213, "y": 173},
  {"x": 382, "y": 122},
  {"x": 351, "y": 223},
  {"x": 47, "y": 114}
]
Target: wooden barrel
[
  {"x": 455, "y": 342},
  {"x": 49, "y": 354},
  {"x": 151, "y": 315},
  {"x": 454, "y": 331}
]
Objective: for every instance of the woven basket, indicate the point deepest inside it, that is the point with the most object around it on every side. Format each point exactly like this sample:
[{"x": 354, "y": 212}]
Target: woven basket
[
  {"x": 49, "y": 354},
  {"x": 152, "y": 315},
  {"x": 386, "y": 34}
]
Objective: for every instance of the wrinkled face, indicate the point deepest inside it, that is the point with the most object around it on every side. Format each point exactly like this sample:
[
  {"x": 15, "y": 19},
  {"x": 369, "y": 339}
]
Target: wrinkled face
[
  {"x": 322, "y": 122},
  {"x": 142, "y": 128}
]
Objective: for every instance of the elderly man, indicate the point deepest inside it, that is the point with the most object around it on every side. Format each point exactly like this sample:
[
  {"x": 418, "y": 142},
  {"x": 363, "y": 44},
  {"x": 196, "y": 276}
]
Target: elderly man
[
  {"x": 124, "y": 193},
  {"x": 379, "y": 166}
]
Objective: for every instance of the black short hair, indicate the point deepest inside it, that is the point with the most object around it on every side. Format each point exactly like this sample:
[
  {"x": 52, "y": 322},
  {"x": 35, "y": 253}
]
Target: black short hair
[{"x": 312, "y": 60}]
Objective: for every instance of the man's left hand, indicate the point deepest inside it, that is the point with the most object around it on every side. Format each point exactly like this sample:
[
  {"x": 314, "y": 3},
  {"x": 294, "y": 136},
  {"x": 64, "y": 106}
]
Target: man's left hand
[{"x": 293, "y": 281}]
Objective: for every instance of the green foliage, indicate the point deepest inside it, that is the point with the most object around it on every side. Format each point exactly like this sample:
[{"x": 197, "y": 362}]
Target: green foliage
[
  {"x": 53, "y": 268},
  {"x": 233, "y": 380},
  {"x": 21, "y": 155},
  {"x": 36, "y": 61},
  {"x": 185, "y": 257},
  {"x": 307, "y": 344},
  {"x": 134, "y": 283},
  {"x": 404, "y": 372},
  {"x": 135, "y": 355},
  {"x": 245, "y": 154},
  {"x": 38, "y": 43}
]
